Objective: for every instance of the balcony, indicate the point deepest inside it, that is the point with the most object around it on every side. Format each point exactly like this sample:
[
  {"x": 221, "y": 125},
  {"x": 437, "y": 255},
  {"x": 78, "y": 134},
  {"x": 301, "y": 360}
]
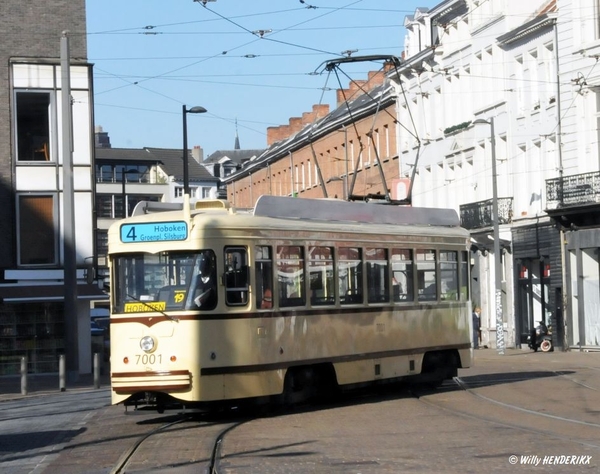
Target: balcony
[
  {"x": 573, "y": 191},
  {"x": 478, "y": 215}
]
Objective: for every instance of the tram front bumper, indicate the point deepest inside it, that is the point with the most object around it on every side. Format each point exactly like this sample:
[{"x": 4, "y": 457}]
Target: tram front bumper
[{"x": 128, "y": 383}]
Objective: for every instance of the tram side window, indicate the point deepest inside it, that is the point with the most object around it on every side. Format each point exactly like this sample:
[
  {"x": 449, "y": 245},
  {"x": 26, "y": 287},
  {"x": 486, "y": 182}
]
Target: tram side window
[
  {"x": 236, "y": 276},
  {"x": 204, "y": 282},
  {"x": 350, "y": 275},
  {"x": 402, "y": 275},
  {"x": 264, "y": 276},
  {"x": 464, "y": 276},
  {"x": 449, "y": 275},
  {"x": 290, "y": 275},
  {"x": 426, "y": 275},
  {"x": 320, "y": 271},
  {"x": 378, "y": 289}
]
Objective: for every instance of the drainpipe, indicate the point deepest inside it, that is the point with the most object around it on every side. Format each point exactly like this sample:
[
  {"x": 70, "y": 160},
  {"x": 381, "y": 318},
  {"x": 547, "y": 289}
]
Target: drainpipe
[{"x": 292, "y": 177}]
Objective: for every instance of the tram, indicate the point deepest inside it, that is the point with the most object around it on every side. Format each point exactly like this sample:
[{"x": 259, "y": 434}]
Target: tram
[{"x": 296, "y": 298}]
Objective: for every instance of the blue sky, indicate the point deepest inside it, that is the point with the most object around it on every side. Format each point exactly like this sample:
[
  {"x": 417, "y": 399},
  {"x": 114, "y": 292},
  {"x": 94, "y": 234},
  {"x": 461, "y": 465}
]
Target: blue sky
[{"x": 152, "y": 56}]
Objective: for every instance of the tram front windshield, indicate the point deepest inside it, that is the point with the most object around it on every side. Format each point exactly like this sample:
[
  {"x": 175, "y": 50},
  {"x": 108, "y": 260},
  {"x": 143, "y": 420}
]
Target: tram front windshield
[{"x": 144, "y": 282}]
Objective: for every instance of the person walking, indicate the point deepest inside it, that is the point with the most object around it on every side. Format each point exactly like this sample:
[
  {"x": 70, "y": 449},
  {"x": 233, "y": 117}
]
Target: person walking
[{"x": 476, "y": 326}]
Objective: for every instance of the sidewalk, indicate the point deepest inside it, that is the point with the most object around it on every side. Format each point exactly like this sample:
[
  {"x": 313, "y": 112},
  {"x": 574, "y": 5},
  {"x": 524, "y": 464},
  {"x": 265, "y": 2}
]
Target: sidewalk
[
  {"x": 42, "y": 384},
  {"x": 524, "y": 358}
]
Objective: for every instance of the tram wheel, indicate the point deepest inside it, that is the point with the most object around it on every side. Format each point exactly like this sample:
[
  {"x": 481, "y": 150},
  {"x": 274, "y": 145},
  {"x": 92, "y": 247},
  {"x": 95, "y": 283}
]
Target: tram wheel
[{"x": 309, "y": 383}]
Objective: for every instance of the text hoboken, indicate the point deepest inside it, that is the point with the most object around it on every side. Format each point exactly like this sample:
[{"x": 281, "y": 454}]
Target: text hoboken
[{"x": 169, "y": 228}]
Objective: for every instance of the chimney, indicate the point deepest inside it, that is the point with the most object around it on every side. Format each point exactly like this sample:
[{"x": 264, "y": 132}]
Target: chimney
[
  {"x": 358, "y": 86},
  {"x": 308, "y": 117},
  {"x": 321, "y": 110},
  {"x": 101, "y": 138},
  {"x": 276, "y": 134},
  {"x": 375, "y": 79},
  {"x": 341, "y": 96},
  {"x": 198, "y": 153},
  {"x": 295, "y": 125}
]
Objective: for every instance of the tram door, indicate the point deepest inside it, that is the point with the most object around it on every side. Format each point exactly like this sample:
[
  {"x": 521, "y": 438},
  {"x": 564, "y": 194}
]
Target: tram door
[{"x": 532, "y": 297}]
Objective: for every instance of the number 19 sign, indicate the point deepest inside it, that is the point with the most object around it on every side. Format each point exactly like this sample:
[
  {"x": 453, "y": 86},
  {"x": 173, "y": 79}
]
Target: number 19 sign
[{"x": 155, "y": 232}]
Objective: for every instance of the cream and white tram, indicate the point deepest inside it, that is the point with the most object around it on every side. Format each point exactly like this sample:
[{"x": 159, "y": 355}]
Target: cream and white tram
[{"x": 211, "y": 304}]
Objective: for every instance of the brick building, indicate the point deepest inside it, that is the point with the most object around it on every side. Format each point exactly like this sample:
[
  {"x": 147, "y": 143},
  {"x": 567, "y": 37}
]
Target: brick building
[{"x": 327, "y": 154}]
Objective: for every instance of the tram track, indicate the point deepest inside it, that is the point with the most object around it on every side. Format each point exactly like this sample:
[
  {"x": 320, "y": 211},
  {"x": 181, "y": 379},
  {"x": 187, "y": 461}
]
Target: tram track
[
  {"x": 557, "y": 423},
  {"x": 465, "y": 387},
  {"x": 205, "y": 458},
  {"x": 564, "y": 374},
  {"x": 123, "y": 462}
]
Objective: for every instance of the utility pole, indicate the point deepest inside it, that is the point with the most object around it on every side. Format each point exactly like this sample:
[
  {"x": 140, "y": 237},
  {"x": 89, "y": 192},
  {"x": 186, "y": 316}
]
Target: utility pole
[
  {"x": 496, "y": 226},
  {"x": 69, "y": 248}
]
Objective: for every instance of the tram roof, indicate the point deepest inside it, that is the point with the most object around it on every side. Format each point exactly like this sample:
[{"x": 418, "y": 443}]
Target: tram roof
[
  {"x": 316, "y": 210},
  {"x": 299, "y": 215},
  {"x": 356, "y": 212}
]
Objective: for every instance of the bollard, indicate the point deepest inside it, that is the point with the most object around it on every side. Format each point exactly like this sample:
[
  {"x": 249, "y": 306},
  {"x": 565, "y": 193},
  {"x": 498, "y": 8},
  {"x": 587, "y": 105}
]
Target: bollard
[
  {"x": 61, "y": 373},
  {"x": 24, "y": 375},
  {"x": 96, "y": 370}
]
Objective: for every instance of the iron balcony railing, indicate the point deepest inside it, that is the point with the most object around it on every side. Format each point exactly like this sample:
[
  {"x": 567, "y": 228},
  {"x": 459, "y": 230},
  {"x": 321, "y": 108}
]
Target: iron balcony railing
[
  {"x": 477, "y": 215},
  {"x": 574, "y": 190}
]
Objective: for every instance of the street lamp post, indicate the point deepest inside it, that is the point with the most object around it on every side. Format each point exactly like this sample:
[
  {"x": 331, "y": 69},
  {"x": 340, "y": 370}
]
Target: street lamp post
[
  {"x": 186, "y": 176},
  {"x": 497, "y": 255}
]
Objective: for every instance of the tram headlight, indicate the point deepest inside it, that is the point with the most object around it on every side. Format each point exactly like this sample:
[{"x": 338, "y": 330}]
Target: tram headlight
[{"x": 147, "y": 343}]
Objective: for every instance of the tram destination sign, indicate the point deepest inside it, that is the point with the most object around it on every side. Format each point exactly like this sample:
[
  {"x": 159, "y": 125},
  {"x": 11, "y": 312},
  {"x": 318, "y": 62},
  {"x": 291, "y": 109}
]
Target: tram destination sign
[{"x": 154, "y": 232}]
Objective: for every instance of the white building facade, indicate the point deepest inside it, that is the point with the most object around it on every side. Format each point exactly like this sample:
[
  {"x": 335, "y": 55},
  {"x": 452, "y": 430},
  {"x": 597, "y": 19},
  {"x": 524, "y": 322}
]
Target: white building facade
[{"x": 530, "y": 69}]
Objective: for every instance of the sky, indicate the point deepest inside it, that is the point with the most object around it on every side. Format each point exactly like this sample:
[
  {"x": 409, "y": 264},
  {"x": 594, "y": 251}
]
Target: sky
[{"x": 251, "y": 64}]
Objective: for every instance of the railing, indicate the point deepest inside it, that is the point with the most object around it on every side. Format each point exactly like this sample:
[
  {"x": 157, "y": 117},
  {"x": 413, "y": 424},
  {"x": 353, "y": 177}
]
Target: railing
[
  {"x": 477, "y": 215},
  {"x": 573, "y": 190}
]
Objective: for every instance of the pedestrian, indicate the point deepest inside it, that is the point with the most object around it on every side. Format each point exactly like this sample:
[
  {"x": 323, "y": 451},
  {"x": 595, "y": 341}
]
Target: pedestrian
[{"x": 476, "y": 326}]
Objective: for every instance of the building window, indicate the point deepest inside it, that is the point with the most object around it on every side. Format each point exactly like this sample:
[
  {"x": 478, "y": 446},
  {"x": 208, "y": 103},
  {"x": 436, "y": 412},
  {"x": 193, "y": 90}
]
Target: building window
[
  {"x": 449, "y": 275},
  {"x": 36, "y": 230},
  {"x": 193, "y": 191},
  {"x": 290, "y": 275},
  {"x": 104, "y": 205},
  {"x": 102, "y": 242},
  {"x": 350, "y": 275},
  {"x": 264, "y": 277},
  {"x": 402, "y": 275},
  {"x": 110, "y": 206},
  {"x": 106, "y": 173},
  {"x": 320, "y": 271},
  {"x": 236, "y": 276},
  {"x": 206, "y": 193},
  {"x": 33, "y": 112},
  {"x": 377, "y": 275},
  {"x": 426, "y": 275}
]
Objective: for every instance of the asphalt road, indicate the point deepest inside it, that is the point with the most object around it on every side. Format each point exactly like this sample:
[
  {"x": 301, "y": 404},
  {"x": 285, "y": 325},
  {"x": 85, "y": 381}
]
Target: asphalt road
[{"x": 518, "y": 412}]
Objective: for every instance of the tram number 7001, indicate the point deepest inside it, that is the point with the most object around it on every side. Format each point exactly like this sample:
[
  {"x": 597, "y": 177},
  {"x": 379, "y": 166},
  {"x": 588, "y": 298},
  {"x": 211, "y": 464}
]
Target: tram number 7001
[{"x": 148, "y": 359}]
